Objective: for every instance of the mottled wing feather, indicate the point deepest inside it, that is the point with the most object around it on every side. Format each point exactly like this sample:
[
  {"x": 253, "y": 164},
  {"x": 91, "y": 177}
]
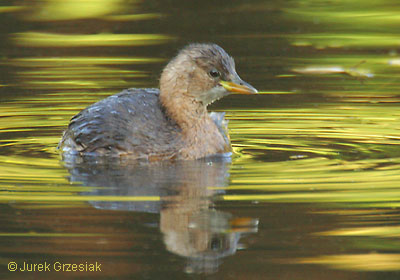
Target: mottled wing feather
[{"x": 131, "y": 121}]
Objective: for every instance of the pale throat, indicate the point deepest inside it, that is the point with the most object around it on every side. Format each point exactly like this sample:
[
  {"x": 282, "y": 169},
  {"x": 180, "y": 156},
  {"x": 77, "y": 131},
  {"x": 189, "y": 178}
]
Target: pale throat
[{"x": 211, "y": 95}]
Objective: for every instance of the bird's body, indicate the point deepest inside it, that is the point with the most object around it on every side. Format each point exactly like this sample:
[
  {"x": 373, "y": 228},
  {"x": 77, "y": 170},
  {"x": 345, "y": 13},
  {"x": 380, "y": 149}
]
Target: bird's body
[
  {"x": 134, "y": 123},
  {"x": 170, "y": 123}
]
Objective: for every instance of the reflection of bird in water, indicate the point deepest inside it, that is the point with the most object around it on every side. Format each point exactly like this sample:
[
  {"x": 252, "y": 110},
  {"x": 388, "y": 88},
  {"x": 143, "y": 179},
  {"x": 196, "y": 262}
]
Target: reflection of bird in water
[
  {"x": 190, "y": 225},
  {"x": 170, "y": 123},
  {"x": 201, "y": 234}
]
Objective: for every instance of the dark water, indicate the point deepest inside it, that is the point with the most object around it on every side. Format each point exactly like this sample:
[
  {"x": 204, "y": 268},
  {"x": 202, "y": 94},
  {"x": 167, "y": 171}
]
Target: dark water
[{"x": 312, "y": 191}]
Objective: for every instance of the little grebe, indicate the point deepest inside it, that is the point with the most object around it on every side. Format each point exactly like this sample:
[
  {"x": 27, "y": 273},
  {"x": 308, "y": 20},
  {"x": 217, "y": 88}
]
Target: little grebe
[{"x": 170, "y": 123}]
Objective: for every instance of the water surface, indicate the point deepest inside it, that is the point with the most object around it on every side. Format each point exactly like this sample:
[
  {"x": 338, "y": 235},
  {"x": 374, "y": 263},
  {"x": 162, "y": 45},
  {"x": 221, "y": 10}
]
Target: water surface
[{"x": 311, "y": 192}]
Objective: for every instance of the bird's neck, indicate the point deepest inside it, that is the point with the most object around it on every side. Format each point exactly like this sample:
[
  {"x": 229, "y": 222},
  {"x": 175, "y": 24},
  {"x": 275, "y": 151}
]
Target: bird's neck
[
  {"x": 184, "y": 110},
  {"x": 200, "y": 135},
  {"x": 176, "y": 98}
]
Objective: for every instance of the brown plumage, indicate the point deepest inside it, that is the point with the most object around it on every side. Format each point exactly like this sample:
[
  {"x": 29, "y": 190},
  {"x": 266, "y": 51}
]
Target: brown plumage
[{"x": 170, "y": 123}]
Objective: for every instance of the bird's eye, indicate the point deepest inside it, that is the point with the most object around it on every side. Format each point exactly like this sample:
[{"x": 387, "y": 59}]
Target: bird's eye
[{"x": 214, "y": 73}]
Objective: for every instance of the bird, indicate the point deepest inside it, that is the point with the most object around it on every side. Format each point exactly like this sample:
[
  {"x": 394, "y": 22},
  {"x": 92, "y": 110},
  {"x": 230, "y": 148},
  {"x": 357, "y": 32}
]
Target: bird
[{"x": 169, "y": 123}]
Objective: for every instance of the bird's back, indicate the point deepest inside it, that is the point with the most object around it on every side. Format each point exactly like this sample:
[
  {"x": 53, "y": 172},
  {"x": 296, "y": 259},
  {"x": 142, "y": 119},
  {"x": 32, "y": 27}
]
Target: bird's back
[{"x": 131, "y": 122}]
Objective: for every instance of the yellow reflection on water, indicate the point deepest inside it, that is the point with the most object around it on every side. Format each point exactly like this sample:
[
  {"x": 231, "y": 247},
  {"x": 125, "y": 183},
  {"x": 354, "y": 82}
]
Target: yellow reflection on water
[
  {"x": 358, "y": 262},
  {"x": 320, "y": 197},
  {"x": 296, "y": 129},
  {"x": 381, "y": 231},
  {"x": 316, "y": 140},
  {"x": 41, "y": 39},
  {"x": 302, "y": 131},
  {"x": 50, "y": 10}
]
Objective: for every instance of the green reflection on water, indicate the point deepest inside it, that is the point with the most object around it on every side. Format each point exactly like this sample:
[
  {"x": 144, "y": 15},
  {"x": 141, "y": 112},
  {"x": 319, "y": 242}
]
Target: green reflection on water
[
  {"x": 36, "y": 234},
  {"x": 39, "y": 39},
  {"x": 80, "y": 61},
  {"x": 52, "y": 10},
  {"x": 351, "y": 15},
  {"x": 346, "y": 40},
  {"x": 29, "y": 197},
  {"x": 11, "y": 9},
  {"x": 66, "y": 73}
]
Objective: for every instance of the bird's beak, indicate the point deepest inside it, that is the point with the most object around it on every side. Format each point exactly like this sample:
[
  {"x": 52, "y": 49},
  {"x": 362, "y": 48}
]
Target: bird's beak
[
  {"x": 244, "y": 224},
  {"x": 239, "y": 86}
]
